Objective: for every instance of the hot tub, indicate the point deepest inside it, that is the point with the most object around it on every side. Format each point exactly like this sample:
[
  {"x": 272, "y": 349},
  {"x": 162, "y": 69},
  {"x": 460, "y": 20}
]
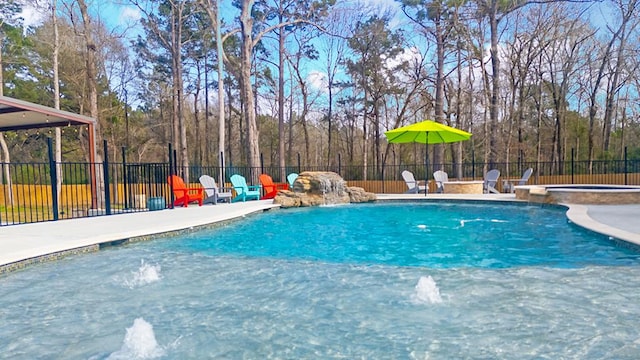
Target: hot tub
[{"x": 580, "y": 194}]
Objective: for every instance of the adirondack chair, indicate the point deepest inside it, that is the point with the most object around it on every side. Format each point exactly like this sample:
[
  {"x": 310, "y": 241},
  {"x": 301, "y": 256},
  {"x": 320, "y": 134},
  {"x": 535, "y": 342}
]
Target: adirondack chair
[
  {"x": 440, "y": 177},
  {"x": 184, "y": 195},
  {"x": 214, "y": 193},
  {"x": 271, "y": 188},
  {"x": 244, "y": 192},
  {"x": 490, "y": 181},
  {"x": 413, "y": 185},
  {"x": 510, "y": 185}
]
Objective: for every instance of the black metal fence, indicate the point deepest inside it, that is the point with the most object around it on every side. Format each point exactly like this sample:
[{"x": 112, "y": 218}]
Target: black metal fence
[{"x": 37, "y": 192}]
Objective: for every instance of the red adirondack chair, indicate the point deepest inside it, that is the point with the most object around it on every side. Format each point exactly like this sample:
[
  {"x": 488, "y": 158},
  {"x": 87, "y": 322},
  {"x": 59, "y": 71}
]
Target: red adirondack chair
[
  {"x": 271, "y": 188},
  {"x": 184, "y": 195}
]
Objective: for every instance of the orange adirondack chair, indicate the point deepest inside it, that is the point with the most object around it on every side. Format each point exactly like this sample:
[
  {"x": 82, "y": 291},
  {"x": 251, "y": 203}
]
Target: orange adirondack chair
[
  {"x": 184, "y": 195},
  {"x": 271, "y": 188}
]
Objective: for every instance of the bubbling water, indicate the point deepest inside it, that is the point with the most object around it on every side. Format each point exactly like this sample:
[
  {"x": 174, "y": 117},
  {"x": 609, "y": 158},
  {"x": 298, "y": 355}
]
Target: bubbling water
[
  {"x": 145, "y": 274},
  {"x": 427, "y": 291},
  {"x": 139, "y": 343}
]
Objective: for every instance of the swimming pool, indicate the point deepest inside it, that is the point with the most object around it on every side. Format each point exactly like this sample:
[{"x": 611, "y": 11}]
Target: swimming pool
[{"x": 516, "y": 282}]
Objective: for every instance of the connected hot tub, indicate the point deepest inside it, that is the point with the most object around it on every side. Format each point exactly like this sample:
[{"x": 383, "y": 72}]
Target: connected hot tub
[{"x": 580, "y": 194}]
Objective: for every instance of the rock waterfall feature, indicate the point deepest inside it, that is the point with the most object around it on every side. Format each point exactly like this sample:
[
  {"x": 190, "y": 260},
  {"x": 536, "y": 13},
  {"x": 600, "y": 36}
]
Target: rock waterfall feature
[{"x": 314, "y": 188}]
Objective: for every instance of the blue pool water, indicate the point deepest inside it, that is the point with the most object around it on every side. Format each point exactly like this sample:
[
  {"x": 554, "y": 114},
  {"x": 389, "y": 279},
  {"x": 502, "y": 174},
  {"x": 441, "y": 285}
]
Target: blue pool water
[
  {"x": 432, "y": 235},
  {"x": 397, "y": 281}
]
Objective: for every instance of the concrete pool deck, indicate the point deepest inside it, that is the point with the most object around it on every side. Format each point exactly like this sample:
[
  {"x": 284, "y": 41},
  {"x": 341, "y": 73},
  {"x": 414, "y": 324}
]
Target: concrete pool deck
[{"x": 22, "y": 245}]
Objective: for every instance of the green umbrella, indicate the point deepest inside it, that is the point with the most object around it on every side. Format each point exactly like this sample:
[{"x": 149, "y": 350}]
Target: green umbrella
[{"x": 426, "y": 132}]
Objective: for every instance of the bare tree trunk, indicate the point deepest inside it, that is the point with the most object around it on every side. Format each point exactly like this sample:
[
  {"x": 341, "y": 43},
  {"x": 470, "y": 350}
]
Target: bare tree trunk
[
  {"x": 56, "y": 97},
  {"x": 221, "y": 118},
  {"x": 539, "y": 118},
  {"x": 98, "y": 199},
  {"x": 7, "y": 169},
  {"x": 281, "y": 58},
  {"x": 307, "y": 142},
  {"x": 495, "y": 83},
  {"x": 365, "y": 153},
  {"x": 486, "y": 127},
  {"x": 600, "y": 76},
  {"x": 246, "y": 21},
  {"x": 290, "y": 134},
  {"x": 179, "y": 126},
  {"x": 200, "y": 145},
  {"x": 213, "y": 10},
  {"x": 623, "y": 123},
  {"x": 208, "y": 148},
  {"x": 457, "y": 148},
  {"x": 438, "y": 149},
  {"x": 6, "y": 157},
  {"x": 229, "y": 148},
  {"x": 619, "y": 65}
]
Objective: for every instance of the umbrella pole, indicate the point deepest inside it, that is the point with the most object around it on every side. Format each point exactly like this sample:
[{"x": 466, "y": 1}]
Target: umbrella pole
[{"x": 426, "y": 167}]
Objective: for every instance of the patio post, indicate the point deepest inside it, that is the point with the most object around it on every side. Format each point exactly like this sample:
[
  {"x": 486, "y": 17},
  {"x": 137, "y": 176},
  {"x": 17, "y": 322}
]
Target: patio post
[{"x": 53, "y": 173}]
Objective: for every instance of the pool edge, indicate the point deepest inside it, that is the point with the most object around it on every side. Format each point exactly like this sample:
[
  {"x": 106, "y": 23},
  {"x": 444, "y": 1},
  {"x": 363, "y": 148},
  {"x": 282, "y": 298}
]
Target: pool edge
[{"x": 51, "y": 241}]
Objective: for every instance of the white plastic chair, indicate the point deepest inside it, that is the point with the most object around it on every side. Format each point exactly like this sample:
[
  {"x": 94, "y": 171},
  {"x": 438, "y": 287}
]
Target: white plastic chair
[
  {"x": 440, "y": 177},
  {"x": 414, "y": 186},
  {"x": 509, "y": 185},
  {"x": 213, "y": 192},
  {"x": 490, "y": 181}
]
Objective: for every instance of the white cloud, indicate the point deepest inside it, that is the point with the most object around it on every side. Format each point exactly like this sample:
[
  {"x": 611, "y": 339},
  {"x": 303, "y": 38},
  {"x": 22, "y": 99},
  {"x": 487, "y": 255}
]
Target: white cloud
[
  {"x": 318, "y": 80},
  {"x": 32, "y": 16},
  {"x": 129, "y": 14},
  {"x": 411, "y": 55}
]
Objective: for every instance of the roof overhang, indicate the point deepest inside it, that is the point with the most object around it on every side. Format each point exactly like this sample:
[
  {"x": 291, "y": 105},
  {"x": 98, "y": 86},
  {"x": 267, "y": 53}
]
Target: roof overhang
[{"x": 20, "y": 115}]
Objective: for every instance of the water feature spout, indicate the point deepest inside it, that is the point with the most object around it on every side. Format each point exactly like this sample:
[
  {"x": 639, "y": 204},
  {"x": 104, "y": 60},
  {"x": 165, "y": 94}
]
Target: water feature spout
[
  {"x": 427, "y": 291},
  {"x": 139, "y": 343}
]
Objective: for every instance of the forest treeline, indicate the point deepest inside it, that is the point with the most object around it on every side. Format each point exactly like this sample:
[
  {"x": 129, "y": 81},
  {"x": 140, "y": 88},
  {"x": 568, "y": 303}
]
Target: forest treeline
[{"x": 278, "y": 80}]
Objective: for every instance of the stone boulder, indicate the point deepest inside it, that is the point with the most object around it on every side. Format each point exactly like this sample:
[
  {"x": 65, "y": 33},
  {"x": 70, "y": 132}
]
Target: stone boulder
[
  {"x": 358, "y": 195},
  {"x": 313, "y": 188}
]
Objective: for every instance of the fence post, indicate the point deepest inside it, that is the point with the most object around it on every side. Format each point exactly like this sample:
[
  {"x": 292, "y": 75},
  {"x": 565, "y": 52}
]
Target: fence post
[
  {"x": 473, "y": 165},
  {"x": 340, "y": 164},
  {"x": 53, "y": 173},
  {"x": 299, "y": 163},
  {"x": 171, "y": 172},
  {"x": 626, "y": 169},
  {"x": 573, "y": 164},
  {"x": 125, "y": 178},
  {"x": 261, "y": 164},
  {"x": 221, "y": 163},
  {"x": 107, "y": 182}
]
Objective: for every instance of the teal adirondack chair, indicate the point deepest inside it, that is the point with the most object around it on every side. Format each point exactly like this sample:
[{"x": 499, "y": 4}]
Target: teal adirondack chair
[{"x": 244, "y": 192}]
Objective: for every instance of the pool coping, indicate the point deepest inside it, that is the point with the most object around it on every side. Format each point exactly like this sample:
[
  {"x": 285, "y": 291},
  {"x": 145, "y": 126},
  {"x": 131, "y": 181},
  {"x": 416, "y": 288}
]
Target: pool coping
[
  {"x": 27, "y": 244},
  {"x": 583, "y": 215}
]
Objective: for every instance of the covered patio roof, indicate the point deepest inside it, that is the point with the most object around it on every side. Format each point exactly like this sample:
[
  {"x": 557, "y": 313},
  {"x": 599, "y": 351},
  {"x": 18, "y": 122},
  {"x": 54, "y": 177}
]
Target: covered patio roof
[
  {"x": 23, "y": 115},
  {"x": 20, "y": 115}
]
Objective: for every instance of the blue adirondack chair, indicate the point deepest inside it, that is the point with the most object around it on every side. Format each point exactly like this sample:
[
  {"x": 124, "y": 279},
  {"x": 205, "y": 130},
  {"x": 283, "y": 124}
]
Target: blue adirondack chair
[{"x": 244, "y": 192}]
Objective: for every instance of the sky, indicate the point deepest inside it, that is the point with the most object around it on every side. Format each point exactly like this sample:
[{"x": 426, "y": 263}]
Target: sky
[
  {"x": 123, "y": 18},
  {"x": 115, "y": 15},
  {"x": 119, "y": 15}
]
